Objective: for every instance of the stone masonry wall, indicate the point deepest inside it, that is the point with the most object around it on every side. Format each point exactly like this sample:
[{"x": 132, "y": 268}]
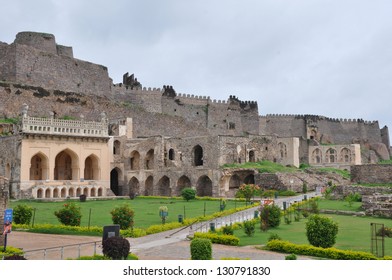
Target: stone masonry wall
[
  {"x": 371, "y": 173},
  {"x": 340, "y": 192},
  {"x": 378, "y": 205}
]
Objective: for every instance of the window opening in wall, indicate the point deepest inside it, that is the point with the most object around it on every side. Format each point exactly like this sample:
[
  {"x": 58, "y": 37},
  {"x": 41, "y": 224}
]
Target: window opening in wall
[
  {"x": 252, "y": 157},
  {"x": 171, "y": 154},
  {"x": 198, "y": 155},
  {"x": 231, "y": 125}
]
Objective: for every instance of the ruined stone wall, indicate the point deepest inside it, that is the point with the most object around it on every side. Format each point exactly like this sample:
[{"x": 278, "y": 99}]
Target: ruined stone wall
[
  {"x": 7, "y": 62},
  {"x": 340, "y": 192},
  {"x": 378, "y": 205},
  {"x": 283, "y": 126},
  {"x": 371, "y": 173},
  {"x": 10, "y": 162}
]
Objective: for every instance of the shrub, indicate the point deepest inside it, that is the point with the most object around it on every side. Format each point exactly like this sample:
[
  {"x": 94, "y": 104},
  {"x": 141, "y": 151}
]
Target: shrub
[
  {"x": 274, "y": 236},
  {"x": 291, "y": 257},
  {"x": 270, "y": 216},
  {"x": 249, "y": 228},
  {"x": 201, "y": 249},
  {"x": 22, "y": 214},
  {"x": 248, "y": 191},
  {"x": 228, "y": 230},
  {"x": 14, "y": 257},
  {"x": 69, "y": 215},
  {"x": 116, "y": 248},
  {"x": 219, "y": 238},
  {"x": 321, "y": 231},
  {"x": 188, "y": 194},
  {"x": 123, "y": 216}
]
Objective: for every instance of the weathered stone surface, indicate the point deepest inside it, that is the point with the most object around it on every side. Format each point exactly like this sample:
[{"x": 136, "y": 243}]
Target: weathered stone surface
[{"x": 371, "y": 173}]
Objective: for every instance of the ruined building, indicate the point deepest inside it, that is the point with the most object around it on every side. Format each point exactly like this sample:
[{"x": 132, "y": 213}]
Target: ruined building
[{"x": 67, "y": 130}]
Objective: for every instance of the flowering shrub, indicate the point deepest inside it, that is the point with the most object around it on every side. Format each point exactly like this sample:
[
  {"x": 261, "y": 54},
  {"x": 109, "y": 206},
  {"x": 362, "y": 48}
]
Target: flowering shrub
[
  {"x": 69, "y": 215},
  {"x": 248, "y": 191},
  {"x": 23, "y": 214},
  {"x": 123, "y": 216}
]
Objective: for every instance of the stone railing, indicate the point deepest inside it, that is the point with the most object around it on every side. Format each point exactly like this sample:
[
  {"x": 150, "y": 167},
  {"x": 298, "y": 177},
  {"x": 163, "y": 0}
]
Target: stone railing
[{"x": 54, "y": 126}]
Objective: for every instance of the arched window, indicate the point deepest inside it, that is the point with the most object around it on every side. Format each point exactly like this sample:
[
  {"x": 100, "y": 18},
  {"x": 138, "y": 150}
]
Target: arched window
[
  {"x": 330, "y": 156},
  {"x": 91, "y": 168},
  {"x": 345, "y": 155},
  {"x": 282, "y": 150},
  {"x": 198, "y": 155},
  {"x": 171, "y": 154},
  {"x": 116, "y": 147},
  {"x": 39, "y": 167},
  {"x": 66, "y": 166},
  {"x": 316, "y": 156},
  {"x": 149, "y": 160},
  {"x": 252, "y": 157},
  {"x": 135, "y": 160}
]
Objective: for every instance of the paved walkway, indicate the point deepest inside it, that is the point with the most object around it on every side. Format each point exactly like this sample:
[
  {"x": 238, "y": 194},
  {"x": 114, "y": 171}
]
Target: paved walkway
[{"x": 169, "y": 245}]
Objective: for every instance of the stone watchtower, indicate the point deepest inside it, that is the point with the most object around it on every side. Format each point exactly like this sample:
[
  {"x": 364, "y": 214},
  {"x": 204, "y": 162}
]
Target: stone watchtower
[{"x": 3, "y": 204}]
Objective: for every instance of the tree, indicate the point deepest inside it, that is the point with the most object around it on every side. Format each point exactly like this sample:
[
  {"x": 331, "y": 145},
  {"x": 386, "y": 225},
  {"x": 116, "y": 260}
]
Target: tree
[
  {"x": 321, "y": 231},
  {"x": 188, "y": 194}
]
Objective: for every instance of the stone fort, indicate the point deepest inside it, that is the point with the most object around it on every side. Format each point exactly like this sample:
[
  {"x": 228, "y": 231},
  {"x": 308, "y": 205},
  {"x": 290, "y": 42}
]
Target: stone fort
[{"x": 66, "y": 129}]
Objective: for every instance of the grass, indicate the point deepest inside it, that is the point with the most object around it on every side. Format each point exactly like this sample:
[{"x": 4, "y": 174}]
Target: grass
[
  {"x": 354, "y": 233},
  {"x": 97, "y": 212},
  {"x": 339, "y": 205}
]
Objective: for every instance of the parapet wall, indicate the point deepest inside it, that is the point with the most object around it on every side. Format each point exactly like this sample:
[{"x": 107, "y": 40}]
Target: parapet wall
[{"x": 371, "y": 173}]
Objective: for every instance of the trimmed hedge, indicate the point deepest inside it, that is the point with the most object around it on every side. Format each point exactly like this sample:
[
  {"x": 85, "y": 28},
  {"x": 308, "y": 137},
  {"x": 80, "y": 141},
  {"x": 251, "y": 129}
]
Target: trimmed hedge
[
  {"x": 201, "y": 249},
  {"x": 328, "y": 253},
  {"x": 10, "y": 251},
  {"x": 219, "y": 238}
]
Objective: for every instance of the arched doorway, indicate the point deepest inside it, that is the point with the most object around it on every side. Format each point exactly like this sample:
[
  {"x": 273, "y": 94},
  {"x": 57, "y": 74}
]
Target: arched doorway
[
  {"x": 39, "y": 167},
  {"x": 149, "y": 186},
  {"x": 250, "y": 179},
  {"x": 133, "y": 187},
  {"x": 204, "y": 186},
  {"x": 183, "y": 182},
  {"x": 91, "y": 168},
  {"x": 66, "y": 166},
  {"x": 164, "y": 186},
  {"x": 234, "y": 185},
  {"x": 114, "y": 181},
  {"x": 149, "y": 162}
]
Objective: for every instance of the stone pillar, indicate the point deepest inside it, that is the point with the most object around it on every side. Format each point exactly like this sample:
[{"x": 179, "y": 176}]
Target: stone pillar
[{"x": 3, "y": 204}]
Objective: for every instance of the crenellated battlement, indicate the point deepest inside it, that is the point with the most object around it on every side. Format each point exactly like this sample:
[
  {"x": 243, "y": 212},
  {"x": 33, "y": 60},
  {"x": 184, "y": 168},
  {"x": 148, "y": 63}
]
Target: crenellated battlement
[{"x": 317, "y": 118}]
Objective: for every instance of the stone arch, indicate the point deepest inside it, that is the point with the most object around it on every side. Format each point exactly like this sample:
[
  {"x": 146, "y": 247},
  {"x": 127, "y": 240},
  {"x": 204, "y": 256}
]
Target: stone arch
[
  {"x": 252, "y": 156},
  {"x": 133, "y": 187},
  {"x": 164, "y": 186},
  {"x": 282, "y": 150},
  {"x": 86, "y": 191},
  {"x": 345, "y": 155},
  {"x": 92, "y": 193},
  {"x": 197, "y": 155},
  {"x": 149, "y": 186},
  {"x": 71, "y": 192},
  {"x": 149, "y": 161},
  {"x": 135, "y": 160},
  {"x": 48, "y": 193},
  {"x": 115, "y": 176},
  {"x": 100, "y": 192},
  {"x": 39, "y": 167},
  {"x": 116, "y": 147},
  {"x": 317, "y": 156},
  {"x": 66, "y": 165},
  {"x": 331, "y": 155},
  {"x": 56, "y": 193},
  {"x": 91, "y": 168},
  {"x": 204, "y": 186},
  {"x": 250, "y": 179},
  {"x": 63, "y": 192},
  {"x": 78, "y": 191},
  {"x": 234, "y": 185},
  {"x": 40, "y": 193},
  {"x": 183, "y": 182}
]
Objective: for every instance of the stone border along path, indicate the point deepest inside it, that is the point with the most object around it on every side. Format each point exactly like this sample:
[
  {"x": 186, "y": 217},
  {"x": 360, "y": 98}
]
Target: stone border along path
[{"x": 168, "y": 245}]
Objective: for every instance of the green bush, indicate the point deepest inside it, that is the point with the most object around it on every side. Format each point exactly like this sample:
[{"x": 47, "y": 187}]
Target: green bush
[
  {"x": 201, "y": 249},
  {"x": 219, "y": 238},
  {"x": 274, "y": 236},
  {"x": 22, "y": 214},
  {"x": 188, "y": 194},
  {"x": 321, "y": 231},
  {"x": 228, "y": 230},
  {"x": 123, "y": 216},
  {"x": 309, "y": 250},
  {"x": 69, "y": 215},
  {"x": 249, "y": 227},
  {"x": 291, "y": 257},
  {"x": 270, "y": 216},
  {"x": 116, "y": 248}
]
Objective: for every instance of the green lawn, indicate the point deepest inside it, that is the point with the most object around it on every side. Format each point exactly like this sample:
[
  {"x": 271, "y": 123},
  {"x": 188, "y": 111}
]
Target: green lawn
[
  {"x": 354, "y": 233},
  {"x": 146, "y": 210},
  {"x": 339, "y": 205}
]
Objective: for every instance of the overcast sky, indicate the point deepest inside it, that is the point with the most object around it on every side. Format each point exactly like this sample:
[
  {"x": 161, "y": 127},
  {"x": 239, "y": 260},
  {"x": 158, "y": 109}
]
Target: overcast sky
[{"x": 330, "y": 58}]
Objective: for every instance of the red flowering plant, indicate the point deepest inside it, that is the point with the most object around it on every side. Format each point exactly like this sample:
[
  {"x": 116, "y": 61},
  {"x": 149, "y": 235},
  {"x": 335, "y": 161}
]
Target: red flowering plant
[
  {"x": 69, "y": 215},
  {"x": 248, "y": 191}
]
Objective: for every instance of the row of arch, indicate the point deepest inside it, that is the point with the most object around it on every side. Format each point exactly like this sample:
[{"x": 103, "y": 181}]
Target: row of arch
[
  {"x": 65, "y": 191},
  {"x": 331, "y": 156},
  {"x": 66, "y": 167}
]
